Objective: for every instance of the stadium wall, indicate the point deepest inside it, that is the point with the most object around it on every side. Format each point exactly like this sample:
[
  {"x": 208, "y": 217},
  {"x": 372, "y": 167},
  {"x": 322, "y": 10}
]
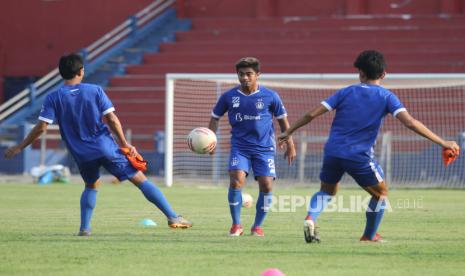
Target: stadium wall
[
  {"x": 279, "y": 8},
  {"x": 32, "y": 37}
]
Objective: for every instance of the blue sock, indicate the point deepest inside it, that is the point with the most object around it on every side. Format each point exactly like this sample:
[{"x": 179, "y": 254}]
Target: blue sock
[
  {"x": 374, "y": 216},
  {"x": 88, "y": 200},
  {"x": 318, "y": 204},
  {"x": 235, "y": 204},
  {"x": 262, "y": 207},
  {"x": 154, "y": 195}
]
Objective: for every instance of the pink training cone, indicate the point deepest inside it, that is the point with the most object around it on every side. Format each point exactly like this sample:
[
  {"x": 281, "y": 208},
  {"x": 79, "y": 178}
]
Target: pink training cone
[{"x": 273, "y": 272}]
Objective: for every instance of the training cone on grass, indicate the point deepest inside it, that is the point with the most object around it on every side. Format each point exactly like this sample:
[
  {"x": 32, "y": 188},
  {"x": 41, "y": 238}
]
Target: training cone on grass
[
  {"x": 273, "y": 272},
  {"x": 148, "y": 223}
]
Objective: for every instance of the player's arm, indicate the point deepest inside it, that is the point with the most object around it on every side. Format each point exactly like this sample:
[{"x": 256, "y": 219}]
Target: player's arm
[
  {"x": 35, "y": 133},
  {"x": 307, "y": 118},
  {"x": 290, "y": 153},
  {"x": 213, "y": 124},
  {"x": 115, "y": 126},
  {"x": 407, "y": 120}
]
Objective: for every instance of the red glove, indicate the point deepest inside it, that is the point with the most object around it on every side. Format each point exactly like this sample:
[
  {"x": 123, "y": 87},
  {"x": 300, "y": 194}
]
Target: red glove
[
  {"x": 137, "y": 162},
  {"x": 449, "y": 156}
]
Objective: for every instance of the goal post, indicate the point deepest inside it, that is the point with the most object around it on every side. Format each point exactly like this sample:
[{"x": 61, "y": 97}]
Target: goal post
[{"x": 438, "y": 100}]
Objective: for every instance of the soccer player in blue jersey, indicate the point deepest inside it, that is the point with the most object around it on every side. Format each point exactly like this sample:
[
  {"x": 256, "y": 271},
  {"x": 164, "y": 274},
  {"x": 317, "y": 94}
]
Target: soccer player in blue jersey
[
  {"x": 360, "y": 110},
  {"x": 251, "y": 109},
  {"x": 79, "y": 108}
]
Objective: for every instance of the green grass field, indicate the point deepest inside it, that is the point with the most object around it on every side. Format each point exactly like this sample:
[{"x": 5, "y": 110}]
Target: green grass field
[{"x": 38, "y": 226}]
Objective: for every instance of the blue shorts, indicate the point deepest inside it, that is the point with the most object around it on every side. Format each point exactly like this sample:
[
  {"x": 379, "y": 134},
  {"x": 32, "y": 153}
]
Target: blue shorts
[
  {"x": 365, "y": 173},
  {"x": 118, "y": 165},
  {"x": 262, "y": 163}
]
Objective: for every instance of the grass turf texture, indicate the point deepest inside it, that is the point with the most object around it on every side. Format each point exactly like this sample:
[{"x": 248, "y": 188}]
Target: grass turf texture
[{"x": 39, "y": 223}]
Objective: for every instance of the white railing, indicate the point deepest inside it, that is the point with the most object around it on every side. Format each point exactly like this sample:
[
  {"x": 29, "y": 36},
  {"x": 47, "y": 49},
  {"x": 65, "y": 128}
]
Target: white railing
[{"x": 90, "y": 53}]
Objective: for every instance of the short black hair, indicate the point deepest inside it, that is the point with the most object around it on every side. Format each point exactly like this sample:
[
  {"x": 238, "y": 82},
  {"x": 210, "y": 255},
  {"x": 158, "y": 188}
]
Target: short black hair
[
  {"x": 247, "y": 62},
  {"x": 70, "y": 65},
  {"x": 372, "y": 63}
]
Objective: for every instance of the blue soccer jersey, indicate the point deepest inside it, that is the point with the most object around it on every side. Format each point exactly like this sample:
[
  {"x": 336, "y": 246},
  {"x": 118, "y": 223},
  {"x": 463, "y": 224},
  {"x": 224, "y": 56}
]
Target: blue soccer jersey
[
  {"x": 360, "y": 110},
  {"x": 78, "y": 110},
  {"x": 251, "y": 117}
]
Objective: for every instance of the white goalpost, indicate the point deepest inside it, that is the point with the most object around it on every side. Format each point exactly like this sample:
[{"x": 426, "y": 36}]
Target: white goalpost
[{"x": 438, "y": 100}]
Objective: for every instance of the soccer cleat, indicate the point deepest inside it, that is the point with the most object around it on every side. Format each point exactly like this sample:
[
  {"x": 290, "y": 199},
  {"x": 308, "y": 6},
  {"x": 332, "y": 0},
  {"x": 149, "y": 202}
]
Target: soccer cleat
[
  {"x": 84, "y": 233},
  {"x": 179, "y": 222},
  {"x": 236, "y": 230},
  {"x": 257, "y": 231},
  {"x": 310, "y": 232},
  {"x": 377, "y": 238}
]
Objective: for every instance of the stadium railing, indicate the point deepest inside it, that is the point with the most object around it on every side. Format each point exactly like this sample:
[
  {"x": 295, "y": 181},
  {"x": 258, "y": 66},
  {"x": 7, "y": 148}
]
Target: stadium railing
[{"x": 125, "y": 34}]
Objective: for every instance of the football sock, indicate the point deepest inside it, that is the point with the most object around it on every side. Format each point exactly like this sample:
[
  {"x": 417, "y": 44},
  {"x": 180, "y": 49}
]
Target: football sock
[
  {"x": 262, "y": 207},
  {"x": 235, "y": 204},
  {"x": 154, "y": 195},
  {"x": 374, "y": 215},
  {"x": 317, "y": 204},
  {"x": 88, "y": 200}
]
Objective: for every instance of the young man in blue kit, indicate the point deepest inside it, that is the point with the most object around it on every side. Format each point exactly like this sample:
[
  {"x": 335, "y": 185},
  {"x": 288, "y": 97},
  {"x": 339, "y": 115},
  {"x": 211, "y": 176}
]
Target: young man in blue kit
[
  {"x": 251, "y": 109},
  {"x": 78, "y": 108},
  {"x": 360, "y": 110}
]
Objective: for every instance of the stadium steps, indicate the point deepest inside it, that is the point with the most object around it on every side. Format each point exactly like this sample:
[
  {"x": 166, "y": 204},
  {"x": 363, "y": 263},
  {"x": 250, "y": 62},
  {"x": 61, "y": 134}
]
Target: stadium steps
[{"x": 425, "y": 44}]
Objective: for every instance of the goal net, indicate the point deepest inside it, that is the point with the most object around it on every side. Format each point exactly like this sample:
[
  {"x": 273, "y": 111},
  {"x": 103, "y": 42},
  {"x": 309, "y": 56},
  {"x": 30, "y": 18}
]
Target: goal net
[{"x": 408, "y": 160}]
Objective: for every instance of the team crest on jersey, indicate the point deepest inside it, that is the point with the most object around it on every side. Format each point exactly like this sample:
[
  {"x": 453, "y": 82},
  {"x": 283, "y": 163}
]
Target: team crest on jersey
[
  {"x": 234, "y": 161},
  {"x": 235, "y": 102},
  {"x": 259, "y": 104}
]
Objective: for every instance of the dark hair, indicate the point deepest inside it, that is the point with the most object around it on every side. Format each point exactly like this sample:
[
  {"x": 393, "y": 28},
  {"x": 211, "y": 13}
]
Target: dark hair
[
  {"x": 247, "y": 62},
  {"x": 70, "y": 65},
  {"x": 371, "y": 63}
]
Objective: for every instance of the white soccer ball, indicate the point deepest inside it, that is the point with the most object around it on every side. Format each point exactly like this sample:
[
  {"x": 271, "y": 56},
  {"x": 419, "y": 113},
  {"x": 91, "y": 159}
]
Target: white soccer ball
[
  {"x": 247, "y": 200},
  {"x": 201, "y": 140}
]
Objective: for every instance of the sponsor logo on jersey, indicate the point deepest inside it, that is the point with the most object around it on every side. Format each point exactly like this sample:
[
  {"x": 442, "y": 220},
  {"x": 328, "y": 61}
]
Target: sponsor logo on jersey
[{"x": 240, "y": 117}]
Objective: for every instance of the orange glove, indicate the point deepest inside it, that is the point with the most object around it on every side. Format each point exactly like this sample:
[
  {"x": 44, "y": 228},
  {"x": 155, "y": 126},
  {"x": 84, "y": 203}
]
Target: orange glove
[
  {"x": 137, "y": 162},
  {"x": 449, "y": 156}
]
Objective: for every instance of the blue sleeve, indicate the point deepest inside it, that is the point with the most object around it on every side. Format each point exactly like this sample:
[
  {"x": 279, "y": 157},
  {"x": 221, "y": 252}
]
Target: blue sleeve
[
  {"x": 47, "y": 113},
  {"x": 221, "y": 107},
  {"x": 104, "y": 104},
  {"x": 394, "y": 106},
  {"x": 333, "y": 101},
  {"x": 277, "y": 107}
]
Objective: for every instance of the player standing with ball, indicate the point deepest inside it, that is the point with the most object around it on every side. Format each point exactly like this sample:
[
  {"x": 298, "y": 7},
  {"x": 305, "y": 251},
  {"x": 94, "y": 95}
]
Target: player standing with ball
[{"x": 251, "y": 109}]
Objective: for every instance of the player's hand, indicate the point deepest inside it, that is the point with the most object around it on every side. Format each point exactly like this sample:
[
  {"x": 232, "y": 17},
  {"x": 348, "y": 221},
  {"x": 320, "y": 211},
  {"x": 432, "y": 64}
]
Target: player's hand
[
  {"x": 11, "y": 152},
  {"x": 452, "y": 145},
  {"x": 290, "y": 153},
  {"x": 283, "y": 138},
  {"x": 132, "y": 150}
]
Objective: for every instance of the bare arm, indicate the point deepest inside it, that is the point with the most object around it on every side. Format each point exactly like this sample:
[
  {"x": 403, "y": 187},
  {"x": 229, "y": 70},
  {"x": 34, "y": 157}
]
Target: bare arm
[
  {"x": 290, "y": 153},
  {"x": 213, "y": 125},
  {"x": 115, "y": 127},
  {"x": 307, "y": 118},
  {"x": 407, "y": 120},
  {"x": 35, "y": 133}
]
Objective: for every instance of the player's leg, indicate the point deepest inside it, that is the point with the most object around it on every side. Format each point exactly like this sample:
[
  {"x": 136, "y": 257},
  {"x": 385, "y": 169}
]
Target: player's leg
[
  {"x": 375, "y": 211},
  {"x": 239, "y": 164},
  {"x": 122, "y": 169},
  {"x": 263, "y": 166},
  {"x": 236, "y": 182},
  {"x": 370, "y": 177},
  {"x": 263, "y": 204},
  {"x": 330, "y": 175},
  {"x": 90, "y": 174}
]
